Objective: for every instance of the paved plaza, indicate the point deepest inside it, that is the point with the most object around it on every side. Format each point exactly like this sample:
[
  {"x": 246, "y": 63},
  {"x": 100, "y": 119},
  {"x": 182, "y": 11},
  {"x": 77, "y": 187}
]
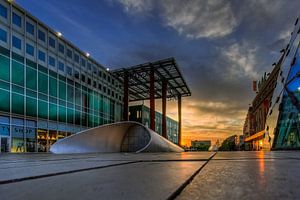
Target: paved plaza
[{"x": 188, "y": 175}]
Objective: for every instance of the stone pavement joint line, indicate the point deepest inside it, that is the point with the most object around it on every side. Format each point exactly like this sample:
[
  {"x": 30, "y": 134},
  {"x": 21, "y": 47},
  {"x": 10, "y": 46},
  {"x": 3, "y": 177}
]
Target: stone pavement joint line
[
  {"x": 188, "y": 181},
  {"x": 62, "y": 173}
]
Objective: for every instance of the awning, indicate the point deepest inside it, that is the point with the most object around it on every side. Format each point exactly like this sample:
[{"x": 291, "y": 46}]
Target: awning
[{"x": 255, "y": 136}]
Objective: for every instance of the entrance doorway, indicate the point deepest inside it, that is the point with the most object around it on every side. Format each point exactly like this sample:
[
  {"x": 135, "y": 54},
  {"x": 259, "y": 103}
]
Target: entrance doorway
[{"x": 4, "y": 144}]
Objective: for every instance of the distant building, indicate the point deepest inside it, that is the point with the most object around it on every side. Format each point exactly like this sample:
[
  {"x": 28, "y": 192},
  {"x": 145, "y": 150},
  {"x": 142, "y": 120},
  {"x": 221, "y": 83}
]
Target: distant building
[
  {"x": 229, "y": 144},
  {"x": 200, "y": 144},
  {"x": 141, "y": 113},
  {"x": 240, "y": 143}
]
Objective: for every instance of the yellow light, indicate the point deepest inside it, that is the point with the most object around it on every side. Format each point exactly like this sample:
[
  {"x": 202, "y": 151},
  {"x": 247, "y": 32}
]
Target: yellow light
[
  {"x": 10, "y": 1},
  {"x": 260, "y": 143},
  {"x": 59, "y": 34}
]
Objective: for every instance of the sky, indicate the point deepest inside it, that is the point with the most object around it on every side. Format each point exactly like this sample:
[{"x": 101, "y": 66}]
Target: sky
[{"x": 221, "y": 46}]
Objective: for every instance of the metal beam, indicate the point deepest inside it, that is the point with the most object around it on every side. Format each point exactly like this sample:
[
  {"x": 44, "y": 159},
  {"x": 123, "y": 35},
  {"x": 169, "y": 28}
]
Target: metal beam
[
  {"x": 126, "y": 98},
  {"x": 179, "y": 120},
  {"x": 164, "y": 109},
  {"x": 152, "y": 99}
]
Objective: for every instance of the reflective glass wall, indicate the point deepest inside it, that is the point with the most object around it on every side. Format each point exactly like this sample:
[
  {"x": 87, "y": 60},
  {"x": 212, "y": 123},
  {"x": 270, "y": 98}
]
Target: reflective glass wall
[
  {"x": 49, "y": 89},
  {"x": 283, "y": 125}
]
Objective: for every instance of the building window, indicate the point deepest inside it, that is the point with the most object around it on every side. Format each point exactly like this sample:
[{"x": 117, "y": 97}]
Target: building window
[
  {"x": 89, "y": 81},
  {"x": 42, "y": 56},
  {"x": 95, "y": 84},
  {"x": 61, "y": 66},
  {"x": 16, "y": 42},
  {"x": 29, "y": 28},
  {"x": 82, "y": 77},
  {"x": 69, "y": 70},
  {"x": 17, "y": 20},
  {"x": 42, "y": 36},
  {"x": 76, "y": 58},
  {"x": 52, "y": 42},
  {"x": 3, "y": 35},
  {"x": 89, "y": 66},
  {"x": 29, "y": 49},
  {"x": 95, "y": 70},
  {"x": 76, "y": 74},
  {"x": 3, "y": 11},
  {"x": 83, "y": 62},
  {"x": 51, "y": 61},
  {"x": 99, "y": 86},
  {"x": 61, "y": 48},
  {"x": 69, "y": 53}
]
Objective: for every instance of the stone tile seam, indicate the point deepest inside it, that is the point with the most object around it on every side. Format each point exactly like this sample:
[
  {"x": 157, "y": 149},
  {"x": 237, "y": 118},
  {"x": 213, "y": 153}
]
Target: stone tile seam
[
  {"x": 189, "y": 180},
  {"x": 63, "y": 173}
]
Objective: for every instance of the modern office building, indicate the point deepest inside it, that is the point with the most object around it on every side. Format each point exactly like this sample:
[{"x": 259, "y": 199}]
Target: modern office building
[
  {"x": 280, "y": 127},
  {"x": 49, "y": 88},
  {"x": 141, "y": 113}
]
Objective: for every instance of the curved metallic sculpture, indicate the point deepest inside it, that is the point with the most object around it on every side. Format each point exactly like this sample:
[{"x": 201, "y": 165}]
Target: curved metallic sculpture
[{"x": 116, "y": 137}]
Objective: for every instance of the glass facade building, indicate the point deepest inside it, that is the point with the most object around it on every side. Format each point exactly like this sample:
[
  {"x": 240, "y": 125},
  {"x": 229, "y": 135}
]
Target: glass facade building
[
  {"x": 280, "y": 127},
  {"x": 141, "y": 113},
  {"x": 283, "y": 122},
  {"x": 49, "y": 88}
]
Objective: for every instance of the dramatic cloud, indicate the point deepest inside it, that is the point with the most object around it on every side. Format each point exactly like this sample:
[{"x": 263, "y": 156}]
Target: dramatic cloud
[
  {"x": 194, "y": 19},
  {"x": 242, "y": 59},
  {"x": 200, "y": 18}
]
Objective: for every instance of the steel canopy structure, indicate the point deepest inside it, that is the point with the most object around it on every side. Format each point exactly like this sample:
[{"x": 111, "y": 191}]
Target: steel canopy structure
[
  {"x": 164, "y": 70},
  {"x": 161, "y": 79}
]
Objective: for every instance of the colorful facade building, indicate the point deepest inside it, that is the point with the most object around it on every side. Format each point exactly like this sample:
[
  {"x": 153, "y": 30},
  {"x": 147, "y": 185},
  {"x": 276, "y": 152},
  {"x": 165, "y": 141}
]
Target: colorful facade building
[{"x": 274, "y": 114}]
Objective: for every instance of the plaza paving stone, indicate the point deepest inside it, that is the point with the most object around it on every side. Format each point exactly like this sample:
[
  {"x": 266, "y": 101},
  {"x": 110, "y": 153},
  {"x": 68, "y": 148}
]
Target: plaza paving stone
[{"x": 187, "y": 175}]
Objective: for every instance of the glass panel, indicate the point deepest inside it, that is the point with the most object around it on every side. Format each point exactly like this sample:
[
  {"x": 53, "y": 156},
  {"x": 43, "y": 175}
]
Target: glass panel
[
  {"x": 41, "y": 36},
  {"x": 70, "y": 115},
  {"x": 42, "y": 137},
  {"x": 31, "y": 107},
  {"x": 17, "y": 73},
  {"x": 62, "y": 90},
  {"x": 62, "y": 114},
  {"x": 17, "y": 144},
  {"x": 43, "y": 83},
  {"x": 52, "y": 86},
  {"x": 4, "y": 68},
  {"x": 17, "y": 43},
  {"x": 17, "y": 104},
  {"x": 53, "y": 112},
  {"x": 30, "y": 136},
  {"x": 3, "y": 35},
  {"x": 43, "y": 109},
  {"x": 29, "y": 28},
  {"x": 3, "y": 11},
  {"x": 4, "y": 99},
  {"x": 31, "y": 78},
  {"x": 30, "y": 49},
  {"x": 17, "y": 20},
  {"x": 77, "y": 117},
  {"x": 70, "y": 93}
]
